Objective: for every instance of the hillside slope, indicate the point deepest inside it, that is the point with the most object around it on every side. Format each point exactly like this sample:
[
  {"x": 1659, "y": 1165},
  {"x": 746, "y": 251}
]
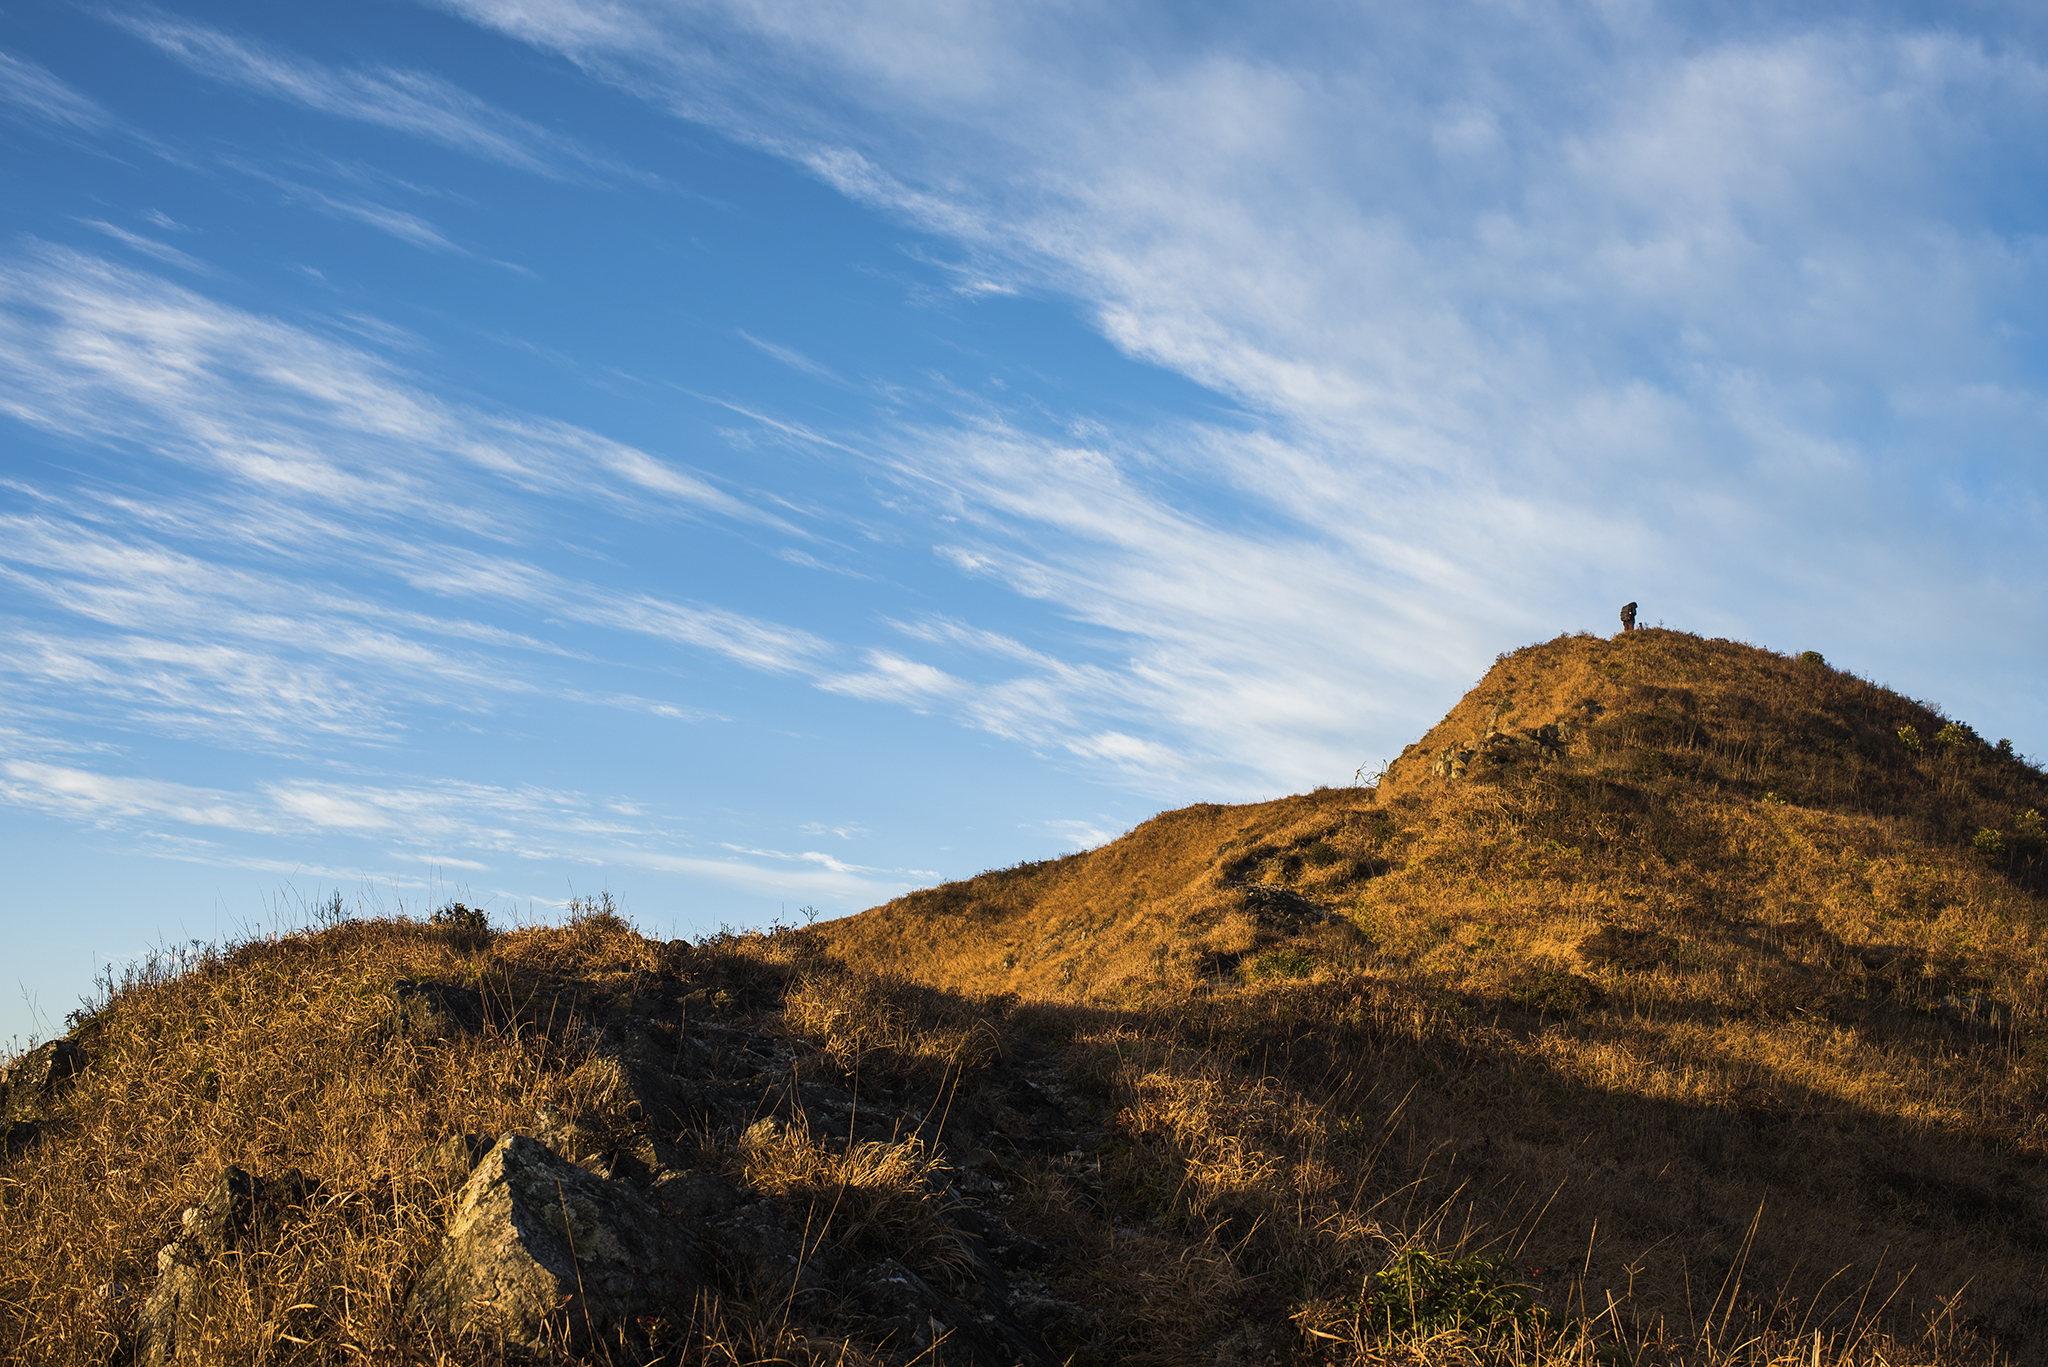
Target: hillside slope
[
  {"x": 1584, "y": 781},
  {"x": 1678, "y": 929}
]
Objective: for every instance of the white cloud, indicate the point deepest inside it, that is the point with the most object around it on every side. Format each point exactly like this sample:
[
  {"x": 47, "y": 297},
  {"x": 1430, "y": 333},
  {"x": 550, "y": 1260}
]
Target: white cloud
[
  {"x": 890, "y": 677},
  {"x": 762, "y": 645},
  {"x": 412, "y": 102},
  {"x": 523, "y": 823},
  {"x": 1081, "y": 835},
  {"x": 260, "y": 658},
  {"x": 92, "y": 350},
  {"x": 1527, "y": 311},
  {"x": 772, "y": 880},
  {"x": 1130, "y": 752},
  {"x": 192, "y": 690},
  {"x": 149, "y": 246},
  {"x": 31, "y": 89},
  {"x": 83, "y": 795},
  {"x": 408, "y": 228},
  {"x": 439, "y": 861},
  {"x": 790, "y": 357}
]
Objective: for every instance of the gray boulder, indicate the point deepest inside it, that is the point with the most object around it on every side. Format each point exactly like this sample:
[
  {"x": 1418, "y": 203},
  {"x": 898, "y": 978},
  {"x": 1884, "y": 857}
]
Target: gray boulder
[
  {"x": 542, "y": 1253},
  {"x": 175, "y": 1304},
  {"x": 30, "y": 1083},
  {"x": 240, "y": 1212}
]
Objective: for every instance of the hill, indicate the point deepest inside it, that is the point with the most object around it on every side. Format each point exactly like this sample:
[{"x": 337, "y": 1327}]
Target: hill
[
  {"x": 1669, "y": 931},
  {"x": 1584, "y": 782},
  {"x": 1670, "y": 1001}
]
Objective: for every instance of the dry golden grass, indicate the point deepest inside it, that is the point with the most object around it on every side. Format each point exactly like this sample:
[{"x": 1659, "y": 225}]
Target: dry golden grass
[
  {"x": 869, "y": 1198},
  {"x": 297, "y": 1052},
  {"x": 265, "y": 1060},
  {"x": 1730, "y": 942},
  {"x": 890, "y": 1027}
]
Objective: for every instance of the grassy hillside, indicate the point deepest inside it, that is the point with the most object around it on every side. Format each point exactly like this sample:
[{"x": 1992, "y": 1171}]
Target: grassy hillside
[
  {"x": 1583, "y": 783},
  {"x": 1671, "y": 1001},
  {"x": 1657, "y": 932}
]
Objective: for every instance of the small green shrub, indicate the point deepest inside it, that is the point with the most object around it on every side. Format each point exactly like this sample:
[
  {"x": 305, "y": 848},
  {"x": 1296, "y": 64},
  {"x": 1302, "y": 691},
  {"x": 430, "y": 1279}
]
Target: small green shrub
[
  {"x": 464, "y": 926},
  {"x": 1910, "y": 738},
  {"x": 331, "y": 912},
  {"x": 1424, "y": 1293},
  {"x": 1952, "y": 737},
  {"x": 1812, "y": 657},
  {"x": 2027, "y": 839},
  {"x": 1282, "y": 963}
]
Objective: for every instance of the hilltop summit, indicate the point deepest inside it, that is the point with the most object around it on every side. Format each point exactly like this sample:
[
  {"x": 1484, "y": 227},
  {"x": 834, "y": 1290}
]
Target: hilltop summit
[{"x": 1584, "y": 780}]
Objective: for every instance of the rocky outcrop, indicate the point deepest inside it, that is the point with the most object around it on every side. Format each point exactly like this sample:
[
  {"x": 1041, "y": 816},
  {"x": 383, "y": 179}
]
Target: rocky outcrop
[
  {"x": 240, "y": 1213},
  {"x": 1498, "y": 749},
  {"x": 30, "y": 1084},
  {"x": 542, "y": 1253},
  {"x": 653, "y": 1223},
  {"x": 29, "y": 1087},
  {"x": 1282, "y": 908}
]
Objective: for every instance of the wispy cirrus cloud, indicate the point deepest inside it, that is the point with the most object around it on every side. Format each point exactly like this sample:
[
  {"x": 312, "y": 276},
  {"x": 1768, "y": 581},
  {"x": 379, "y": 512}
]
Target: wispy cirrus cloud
[
  {"x": 507, "y": 826},
  {"x": 416, "y": 103},
  {"x": 408, "y": 228},
  {"x": 149, "y": 246},
  {"x": 261, "y": 654},
  {"x": 1524, "y": 313},
  {"x": 791, "y": 357},
  {"x": 26, "y": 88},
  {"x": 96, "y": 351}
]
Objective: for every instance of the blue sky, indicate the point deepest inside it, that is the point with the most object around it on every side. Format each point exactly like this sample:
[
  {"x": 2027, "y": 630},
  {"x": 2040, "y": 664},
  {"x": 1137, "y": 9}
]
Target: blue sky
[{"x": 751, "y": 457}]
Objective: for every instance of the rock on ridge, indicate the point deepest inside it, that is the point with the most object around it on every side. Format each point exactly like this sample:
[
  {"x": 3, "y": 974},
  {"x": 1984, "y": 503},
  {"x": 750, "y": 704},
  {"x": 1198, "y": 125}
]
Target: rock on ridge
[
  {"x": 542, "y": 1252},
  {"x": 28, "y": 1088},
  {"x": 242, "y": 1211}
]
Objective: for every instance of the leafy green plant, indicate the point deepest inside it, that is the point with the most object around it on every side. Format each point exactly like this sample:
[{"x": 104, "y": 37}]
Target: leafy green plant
[
  {"x": 1282, "y": 963},
  {"x": 2029, "y": 832},
  {"x": 1909, "y": 737},
  {"x": 466, "y": 926},
  {"x": 1811, "y": 657},
  {"x": 1952, "y": 737},
  {"x": 2026, "y": 839},
  {"x": 1421, "y": 1292}
]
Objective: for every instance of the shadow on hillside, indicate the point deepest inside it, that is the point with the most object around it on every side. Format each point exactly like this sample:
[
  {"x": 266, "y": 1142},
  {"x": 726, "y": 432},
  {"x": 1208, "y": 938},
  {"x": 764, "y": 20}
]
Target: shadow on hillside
[{"x": 1478, "y": 1121}]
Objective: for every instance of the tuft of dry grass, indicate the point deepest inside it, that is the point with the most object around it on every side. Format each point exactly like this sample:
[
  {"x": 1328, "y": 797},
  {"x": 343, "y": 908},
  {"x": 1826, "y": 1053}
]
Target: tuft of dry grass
[
  {"x": 890, "y": 1027},
  {"x": 870, "y": 1198},
  {"x": 294, "y": 1052}
]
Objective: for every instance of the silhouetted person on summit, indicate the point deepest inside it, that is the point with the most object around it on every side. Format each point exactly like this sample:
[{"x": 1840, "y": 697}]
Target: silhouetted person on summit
[{"x": 1628, "y": 617}]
